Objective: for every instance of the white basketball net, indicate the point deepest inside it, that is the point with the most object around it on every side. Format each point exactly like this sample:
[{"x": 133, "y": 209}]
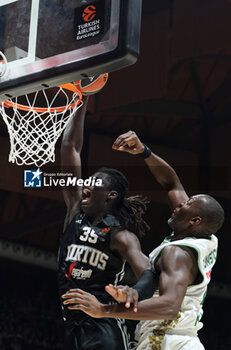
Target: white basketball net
[{"x": 34, "y": 132}]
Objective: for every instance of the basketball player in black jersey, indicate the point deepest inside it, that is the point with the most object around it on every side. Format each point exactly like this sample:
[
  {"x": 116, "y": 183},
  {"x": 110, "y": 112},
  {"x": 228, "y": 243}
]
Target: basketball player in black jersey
[{"x": 100, "y": 234}]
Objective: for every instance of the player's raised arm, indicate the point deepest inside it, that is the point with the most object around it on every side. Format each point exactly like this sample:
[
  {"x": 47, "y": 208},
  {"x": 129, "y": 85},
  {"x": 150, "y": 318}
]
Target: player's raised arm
[
  {"x": 72, "y": 143},
  {"x": 162, "y": 171}
]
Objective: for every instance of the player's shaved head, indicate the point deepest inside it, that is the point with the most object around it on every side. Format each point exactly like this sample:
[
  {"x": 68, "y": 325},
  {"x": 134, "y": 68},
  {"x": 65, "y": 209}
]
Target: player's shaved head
[{"x": 210, "y": 211}]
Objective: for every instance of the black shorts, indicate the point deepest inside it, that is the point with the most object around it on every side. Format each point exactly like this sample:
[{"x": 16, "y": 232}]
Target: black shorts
[{"x": 101, "y": 334}]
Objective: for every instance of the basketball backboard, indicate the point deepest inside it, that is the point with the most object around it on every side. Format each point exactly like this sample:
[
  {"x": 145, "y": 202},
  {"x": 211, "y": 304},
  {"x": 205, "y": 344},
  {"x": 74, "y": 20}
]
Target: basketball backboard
[{"x": 48, "y": 43}]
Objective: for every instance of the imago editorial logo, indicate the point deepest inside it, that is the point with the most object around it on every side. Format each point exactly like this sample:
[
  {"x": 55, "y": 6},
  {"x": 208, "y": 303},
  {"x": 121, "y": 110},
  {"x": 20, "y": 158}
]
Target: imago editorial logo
[{"x": 89, "y": 13}]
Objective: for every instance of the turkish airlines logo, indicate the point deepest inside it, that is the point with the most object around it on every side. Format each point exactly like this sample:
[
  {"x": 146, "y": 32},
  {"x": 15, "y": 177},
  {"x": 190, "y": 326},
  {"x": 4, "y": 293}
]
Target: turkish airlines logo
[{"x": 89, "y": 13}]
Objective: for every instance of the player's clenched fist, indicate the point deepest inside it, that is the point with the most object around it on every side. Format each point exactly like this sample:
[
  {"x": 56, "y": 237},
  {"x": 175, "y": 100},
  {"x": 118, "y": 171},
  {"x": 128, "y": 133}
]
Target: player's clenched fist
[{"x": 128, "y": 142}]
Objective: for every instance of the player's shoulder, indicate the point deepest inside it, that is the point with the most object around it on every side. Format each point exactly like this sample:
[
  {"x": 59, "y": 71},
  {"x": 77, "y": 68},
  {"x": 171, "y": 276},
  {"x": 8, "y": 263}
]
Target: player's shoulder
[
  {"x": 178, "y": 251},
  {"x": 123, "y": 238},
  {"x": 121, "y": 233},
  {"x": 176, "y": 255}
]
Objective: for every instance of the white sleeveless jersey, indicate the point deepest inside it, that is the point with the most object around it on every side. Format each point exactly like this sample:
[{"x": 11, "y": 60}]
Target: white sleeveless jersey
[{"x": 152, "y": 334}]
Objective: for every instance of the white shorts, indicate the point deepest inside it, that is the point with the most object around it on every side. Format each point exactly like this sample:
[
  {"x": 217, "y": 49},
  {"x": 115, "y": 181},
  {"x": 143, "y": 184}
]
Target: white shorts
[{"x": 170, "y": 342}]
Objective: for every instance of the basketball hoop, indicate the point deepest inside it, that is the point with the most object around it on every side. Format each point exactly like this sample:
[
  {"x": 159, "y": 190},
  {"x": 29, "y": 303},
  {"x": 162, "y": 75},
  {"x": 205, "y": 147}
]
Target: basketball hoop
[
  {"x": 3, "y": 64},
  {"x": 35, "y": 122}
]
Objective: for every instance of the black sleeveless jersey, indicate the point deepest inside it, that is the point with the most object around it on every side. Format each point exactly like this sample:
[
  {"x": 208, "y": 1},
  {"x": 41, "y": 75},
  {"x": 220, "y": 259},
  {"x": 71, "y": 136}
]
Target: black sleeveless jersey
[{"x": 85, "y": 259}]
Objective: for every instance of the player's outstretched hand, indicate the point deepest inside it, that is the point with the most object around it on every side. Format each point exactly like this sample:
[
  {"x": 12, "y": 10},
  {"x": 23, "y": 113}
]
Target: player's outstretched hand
[
  {"x": 124, "y": 294},
  {"x": 128, "y": 142},
  {"x": 77, "y": 299}
]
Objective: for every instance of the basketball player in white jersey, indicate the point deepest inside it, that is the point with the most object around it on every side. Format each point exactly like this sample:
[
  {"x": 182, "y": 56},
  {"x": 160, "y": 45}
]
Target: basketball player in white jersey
[{"x": 170, "y": 319}]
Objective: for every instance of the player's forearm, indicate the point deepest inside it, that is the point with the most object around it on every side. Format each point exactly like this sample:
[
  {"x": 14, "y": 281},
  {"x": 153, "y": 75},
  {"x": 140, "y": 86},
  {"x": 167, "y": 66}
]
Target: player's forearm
[
  {"x": 162, "y": 171},
  {"x": 147, "y": 284},
  {"x": 150, "y": 309},
  {"x": 73, "y": 134}
]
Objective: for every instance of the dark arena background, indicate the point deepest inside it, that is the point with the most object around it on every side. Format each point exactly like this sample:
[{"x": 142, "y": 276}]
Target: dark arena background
[{"x": 177, "y": 97}]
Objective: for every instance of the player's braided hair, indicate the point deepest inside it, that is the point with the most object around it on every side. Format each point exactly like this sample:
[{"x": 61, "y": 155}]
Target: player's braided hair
[{"x": 129, "y": 210}]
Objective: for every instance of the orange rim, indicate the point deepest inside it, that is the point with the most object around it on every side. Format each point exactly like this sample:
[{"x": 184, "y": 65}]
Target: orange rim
[{"x": 68, "y": 86}]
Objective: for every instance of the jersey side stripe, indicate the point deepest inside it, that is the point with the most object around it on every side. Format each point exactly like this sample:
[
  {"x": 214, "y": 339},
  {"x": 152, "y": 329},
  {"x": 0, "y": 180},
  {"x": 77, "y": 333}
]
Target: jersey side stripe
[
  {"x": 125, "y": 335},
  {"x": 120, "y": 274}
]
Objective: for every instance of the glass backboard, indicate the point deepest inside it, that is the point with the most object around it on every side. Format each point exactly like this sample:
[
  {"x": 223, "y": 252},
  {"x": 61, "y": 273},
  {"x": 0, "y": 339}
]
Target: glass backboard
[{"x": 51, "y": 42}]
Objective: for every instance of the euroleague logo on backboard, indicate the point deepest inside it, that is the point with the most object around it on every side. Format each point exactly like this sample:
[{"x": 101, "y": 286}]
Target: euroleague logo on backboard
[{"x": 89, "y": 13}]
